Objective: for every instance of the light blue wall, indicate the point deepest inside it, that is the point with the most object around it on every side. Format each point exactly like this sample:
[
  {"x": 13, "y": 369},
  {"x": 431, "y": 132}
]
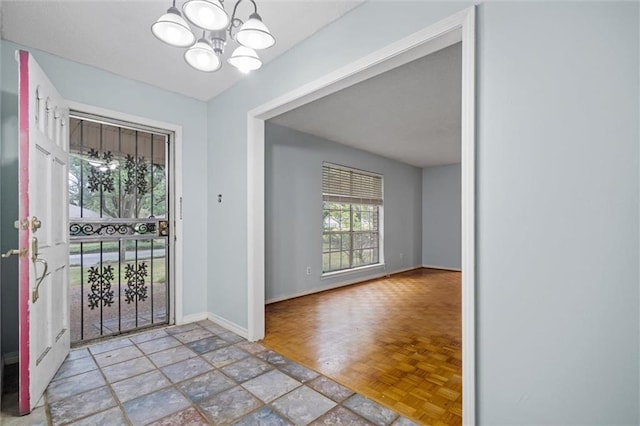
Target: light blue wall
[
  {"x": 441, "y": 216},
  {"x": 95, "y": 87},
  {"x": 293, "y": 215},
  {"x": 557, "y": 198},
  {"x": 557, "y": 213}
]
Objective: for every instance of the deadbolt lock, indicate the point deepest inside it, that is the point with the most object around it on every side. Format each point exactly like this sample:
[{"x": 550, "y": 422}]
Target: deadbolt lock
[
  {"x": 163, "y": 228},
  {"x": 35, "y": 224}
]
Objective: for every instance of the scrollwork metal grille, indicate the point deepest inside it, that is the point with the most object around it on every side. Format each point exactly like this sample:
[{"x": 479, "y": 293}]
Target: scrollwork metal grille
[
  {"x": 136, "y": 276},
  {"x": 136, "y": 175},
  {"x": 100, "y": 279},
  {"x": 100, "y": 177},
  {"x": 87, "y": 229}
]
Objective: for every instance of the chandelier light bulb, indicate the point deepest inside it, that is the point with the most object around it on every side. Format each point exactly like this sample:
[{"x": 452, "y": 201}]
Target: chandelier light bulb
[
  {"x": 245, "y": 59},
  {"x": 202, "y": 57},
  {"x": 172, "y": 29},
  {"x": 255, "y": 34},
  {"x": 206, "y": 14}
]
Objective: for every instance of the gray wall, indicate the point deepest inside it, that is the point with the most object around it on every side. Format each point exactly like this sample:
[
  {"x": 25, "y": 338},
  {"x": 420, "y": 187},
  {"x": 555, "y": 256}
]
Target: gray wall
[
  {"x": 293, "y": 215},
  {"x": 557, "y": 196},
  {"x": 441, "y": 216},
  {"x": 95, "y": 87}
]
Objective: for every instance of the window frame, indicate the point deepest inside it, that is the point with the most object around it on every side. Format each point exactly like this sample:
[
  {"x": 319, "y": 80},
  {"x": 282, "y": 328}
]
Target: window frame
[{"x": 377, "y": 251}]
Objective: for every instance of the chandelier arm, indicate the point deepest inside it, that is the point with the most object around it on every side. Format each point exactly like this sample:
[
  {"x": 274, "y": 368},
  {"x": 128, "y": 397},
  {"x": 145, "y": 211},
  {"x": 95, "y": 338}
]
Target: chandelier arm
[
  {"x": 234, "y": 23},
  {"x": 235, "y": 9}
]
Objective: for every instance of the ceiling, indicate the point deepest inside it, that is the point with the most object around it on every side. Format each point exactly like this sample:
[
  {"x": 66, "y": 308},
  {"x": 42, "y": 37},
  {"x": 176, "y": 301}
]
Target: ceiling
[
  {"x": 115, "y": 36},
  {"x": 411, "y": 113}
]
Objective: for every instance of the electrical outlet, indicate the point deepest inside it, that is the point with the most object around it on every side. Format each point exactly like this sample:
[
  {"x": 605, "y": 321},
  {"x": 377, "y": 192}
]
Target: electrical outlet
[
  {"x": 401, "y": 256},
  {"x": 308, "y": 270}
]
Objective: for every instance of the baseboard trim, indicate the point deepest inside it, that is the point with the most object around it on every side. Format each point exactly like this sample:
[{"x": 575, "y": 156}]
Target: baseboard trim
[
  {"x": 186, "y": 319},
  {"x": 399, "y": 271},
  {"x": 11, "y": 358},
  {"x": 444, "y": 268},
  {"x": 223, "y": 322},
  {"x": 229, "y": 325},
  {"x": 337, "y": 285}
]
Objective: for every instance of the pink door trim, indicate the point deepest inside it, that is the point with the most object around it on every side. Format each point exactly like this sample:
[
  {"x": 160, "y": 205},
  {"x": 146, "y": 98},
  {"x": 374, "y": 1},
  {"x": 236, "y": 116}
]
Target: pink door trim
[{"x": 23, "y": 234}]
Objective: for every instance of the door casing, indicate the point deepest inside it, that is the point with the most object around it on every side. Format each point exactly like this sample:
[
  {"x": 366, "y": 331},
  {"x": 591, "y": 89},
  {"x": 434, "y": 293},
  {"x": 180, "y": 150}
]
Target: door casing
[{"x": 176, "y": 251}]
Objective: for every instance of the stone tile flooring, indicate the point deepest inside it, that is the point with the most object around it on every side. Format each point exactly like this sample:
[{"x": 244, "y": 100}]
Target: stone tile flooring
[{"x": 196, "y": 374}]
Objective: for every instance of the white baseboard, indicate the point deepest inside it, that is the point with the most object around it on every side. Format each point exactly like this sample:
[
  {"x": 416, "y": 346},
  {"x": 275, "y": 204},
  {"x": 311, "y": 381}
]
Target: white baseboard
[
  {"x": 399, "y": 271},
  {"x": 222, "y": 322},
  {"x": 11, "y": 358},
  {"x": 338, "y": 285},
  {"x": 186, "y": 319},
  {"x": 229, "y": 325},
  {"x": 444, "y": 268}
]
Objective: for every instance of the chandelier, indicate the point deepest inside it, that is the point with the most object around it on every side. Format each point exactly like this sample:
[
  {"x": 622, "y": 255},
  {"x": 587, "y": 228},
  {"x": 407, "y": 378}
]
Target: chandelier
[{"x": 209, "y": 16}]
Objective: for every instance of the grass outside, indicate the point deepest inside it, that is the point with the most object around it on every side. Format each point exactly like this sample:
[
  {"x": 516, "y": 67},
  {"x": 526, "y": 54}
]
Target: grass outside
[
  {"x": 159, "y": 272},
  {"x": 336, "y": 261},
  {"x": 112, "y": 246}
]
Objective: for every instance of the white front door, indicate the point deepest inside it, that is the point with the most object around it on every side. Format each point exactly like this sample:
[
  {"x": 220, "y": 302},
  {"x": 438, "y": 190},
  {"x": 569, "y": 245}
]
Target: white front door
[{"x": 43, "y": 238}]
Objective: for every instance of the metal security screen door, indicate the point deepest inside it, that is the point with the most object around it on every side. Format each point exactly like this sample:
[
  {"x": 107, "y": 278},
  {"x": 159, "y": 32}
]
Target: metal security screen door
[{"x": 118, "y": 227}]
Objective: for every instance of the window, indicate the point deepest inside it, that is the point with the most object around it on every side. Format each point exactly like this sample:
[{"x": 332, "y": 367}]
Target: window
[{"x": 351, "y": 212}]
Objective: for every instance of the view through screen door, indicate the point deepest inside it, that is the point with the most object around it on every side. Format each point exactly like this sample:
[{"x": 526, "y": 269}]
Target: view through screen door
[{"x": 118, "y": 228}]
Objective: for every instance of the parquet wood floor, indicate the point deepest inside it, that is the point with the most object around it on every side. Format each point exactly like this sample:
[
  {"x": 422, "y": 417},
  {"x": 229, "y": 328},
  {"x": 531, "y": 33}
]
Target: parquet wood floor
[{"x": 396, "y": 340}]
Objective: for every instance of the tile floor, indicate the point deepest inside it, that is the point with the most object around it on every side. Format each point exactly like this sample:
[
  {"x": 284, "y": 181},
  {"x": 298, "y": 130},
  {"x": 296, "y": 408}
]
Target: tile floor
[{"x": 196, "y": 374}]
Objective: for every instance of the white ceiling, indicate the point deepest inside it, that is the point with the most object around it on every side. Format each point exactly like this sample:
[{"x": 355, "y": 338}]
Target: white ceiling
[
  {"x": 115, "y": 36},
  {"x": 410, "y": 113}
]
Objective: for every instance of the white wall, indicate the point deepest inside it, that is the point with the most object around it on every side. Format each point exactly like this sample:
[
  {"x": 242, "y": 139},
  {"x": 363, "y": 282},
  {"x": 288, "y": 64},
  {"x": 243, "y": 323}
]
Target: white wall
[
  {"x": 441, "y": 217},
  {"x": 95, "y": 87},
  {"x": 293, "y": 215},
  {"x": 557, "y": 196}
]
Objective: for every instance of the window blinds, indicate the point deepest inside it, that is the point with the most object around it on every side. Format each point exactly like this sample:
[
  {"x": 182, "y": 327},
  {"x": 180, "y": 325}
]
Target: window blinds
[{"x": 344, "y": 185}]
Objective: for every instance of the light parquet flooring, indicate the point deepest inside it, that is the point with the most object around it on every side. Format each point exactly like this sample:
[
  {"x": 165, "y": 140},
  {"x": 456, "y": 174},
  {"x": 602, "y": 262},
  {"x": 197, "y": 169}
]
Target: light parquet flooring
[{"x": 396, "y": 340}]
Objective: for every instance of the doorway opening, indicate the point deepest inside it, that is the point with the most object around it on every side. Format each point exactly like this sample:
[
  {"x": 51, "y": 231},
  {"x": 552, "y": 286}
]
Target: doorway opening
[
  {"x": 120, "y": 193},
  {"x": 457, "y": 28}
]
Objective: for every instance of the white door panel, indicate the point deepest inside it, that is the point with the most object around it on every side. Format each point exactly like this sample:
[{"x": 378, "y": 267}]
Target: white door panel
[{"x": 43, "y": 200}]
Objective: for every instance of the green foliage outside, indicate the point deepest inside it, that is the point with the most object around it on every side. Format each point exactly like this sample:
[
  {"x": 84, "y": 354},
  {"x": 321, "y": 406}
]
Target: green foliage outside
[
  {"x": 118, "y": 203},
  {"x": 350, "y": 235}
]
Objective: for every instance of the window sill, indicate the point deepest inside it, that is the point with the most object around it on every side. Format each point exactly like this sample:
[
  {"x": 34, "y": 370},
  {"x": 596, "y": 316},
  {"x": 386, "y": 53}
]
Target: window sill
[{"x": 328, "y": 275}]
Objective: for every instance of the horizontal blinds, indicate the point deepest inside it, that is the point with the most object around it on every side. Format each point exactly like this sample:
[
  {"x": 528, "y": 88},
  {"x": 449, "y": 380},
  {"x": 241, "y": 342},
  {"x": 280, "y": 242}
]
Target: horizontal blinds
[{"x": 343, "y": 185}]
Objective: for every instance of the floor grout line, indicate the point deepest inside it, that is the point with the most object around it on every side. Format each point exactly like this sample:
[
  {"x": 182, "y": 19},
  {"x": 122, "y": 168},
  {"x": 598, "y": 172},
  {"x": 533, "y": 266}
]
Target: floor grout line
[{"x": 251, "y": 356}]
